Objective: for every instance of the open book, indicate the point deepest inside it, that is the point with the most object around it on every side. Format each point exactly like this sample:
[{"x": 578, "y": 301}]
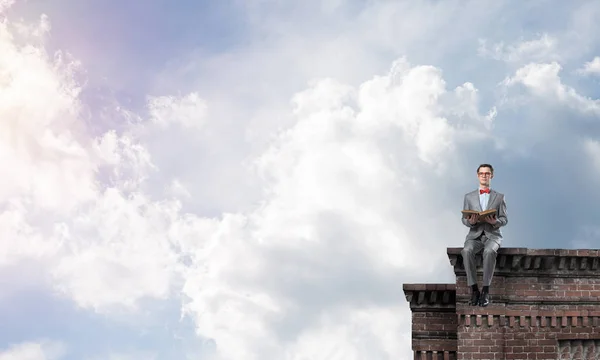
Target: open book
[{"x": 467, "y": 213}]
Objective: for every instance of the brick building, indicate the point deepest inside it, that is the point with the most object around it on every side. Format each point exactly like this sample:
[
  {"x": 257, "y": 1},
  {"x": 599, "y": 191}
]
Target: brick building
[{"x": 545, "y": 305}]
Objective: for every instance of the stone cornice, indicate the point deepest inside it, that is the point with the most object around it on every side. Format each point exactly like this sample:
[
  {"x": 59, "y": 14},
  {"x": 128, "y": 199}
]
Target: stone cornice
[
  {"x": 533, "y": 319},
  {"x": 537, "y": 262},
  {"x": 431, "y": 297},
  {"x": 435, "y": 355}
]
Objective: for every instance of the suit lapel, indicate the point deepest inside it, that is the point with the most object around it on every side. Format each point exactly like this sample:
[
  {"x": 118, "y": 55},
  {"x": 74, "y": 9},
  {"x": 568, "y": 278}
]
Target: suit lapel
[
  {"x": 476, "y": 200},
  {"x": 492, "y": 198}
]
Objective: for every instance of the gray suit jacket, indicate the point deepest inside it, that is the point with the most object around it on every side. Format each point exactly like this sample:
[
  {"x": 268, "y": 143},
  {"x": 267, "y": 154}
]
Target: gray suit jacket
[{"x": 496, "y": 201}]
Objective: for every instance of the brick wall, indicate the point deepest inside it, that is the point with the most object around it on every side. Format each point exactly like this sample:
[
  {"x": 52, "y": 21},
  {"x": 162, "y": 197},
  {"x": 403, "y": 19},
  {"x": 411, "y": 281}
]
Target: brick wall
[
  {"x": 434, "y": 320},
  {"x": 493, "y": 335},
  {"x": 545, "y": 305}
]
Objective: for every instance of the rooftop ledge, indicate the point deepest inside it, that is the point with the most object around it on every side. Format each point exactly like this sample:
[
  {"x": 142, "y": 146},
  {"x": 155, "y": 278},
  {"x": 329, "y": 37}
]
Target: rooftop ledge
[
  {"x": 537, "y": 262},
  {"x": 539, "y": 252},
  {"x": 430, "y": 297}
]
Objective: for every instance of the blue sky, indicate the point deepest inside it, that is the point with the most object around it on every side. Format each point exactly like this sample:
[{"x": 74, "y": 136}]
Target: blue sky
[
  {"x": 124, "y": 44},
  {"x": 157, "y": 333},
  {"x": 255, "y": 180}
]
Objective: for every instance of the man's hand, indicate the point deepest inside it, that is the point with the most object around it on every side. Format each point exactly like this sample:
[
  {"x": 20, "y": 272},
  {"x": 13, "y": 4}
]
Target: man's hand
[
  {"x": 490, "y": 219},
  {"x": 473, "y": 219}
]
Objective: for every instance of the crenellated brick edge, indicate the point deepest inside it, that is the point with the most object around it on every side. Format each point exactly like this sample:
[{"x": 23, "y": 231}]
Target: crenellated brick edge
[
  {"x": 430, "y": 296},
  {"x": 538, "y": 262},
  {"x": 435, "y": 355},
  {"x": 538, "y": 319}
]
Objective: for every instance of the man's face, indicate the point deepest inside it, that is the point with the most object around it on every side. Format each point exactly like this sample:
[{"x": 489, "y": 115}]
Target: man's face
[{"x": 485, "y": 175}]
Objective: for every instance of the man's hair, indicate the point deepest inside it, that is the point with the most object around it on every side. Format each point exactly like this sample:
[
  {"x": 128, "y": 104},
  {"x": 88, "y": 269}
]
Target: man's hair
[{"x": 486, "y": 165}]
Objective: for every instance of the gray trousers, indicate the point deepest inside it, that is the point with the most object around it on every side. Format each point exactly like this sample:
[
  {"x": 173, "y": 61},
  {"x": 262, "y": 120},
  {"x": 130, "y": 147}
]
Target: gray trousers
[{"x": 474, "y": 247}]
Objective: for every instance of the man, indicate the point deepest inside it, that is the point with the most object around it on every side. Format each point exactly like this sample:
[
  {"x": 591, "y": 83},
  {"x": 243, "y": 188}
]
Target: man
[{"x": 484, "y": 233}]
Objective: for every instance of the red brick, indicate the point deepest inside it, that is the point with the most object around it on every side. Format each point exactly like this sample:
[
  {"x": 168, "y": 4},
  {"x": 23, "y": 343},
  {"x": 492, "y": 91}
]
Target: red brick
[{"x": 538, "y": 299}]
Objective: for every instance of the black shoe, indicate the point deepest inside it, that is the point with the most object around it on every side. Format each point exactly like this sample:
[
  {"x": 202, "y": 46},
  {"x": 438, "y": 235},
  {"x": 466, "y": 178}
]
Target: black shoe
[
  {"x": 485, "y": 299},
  {"x": 474, "y": 298}
]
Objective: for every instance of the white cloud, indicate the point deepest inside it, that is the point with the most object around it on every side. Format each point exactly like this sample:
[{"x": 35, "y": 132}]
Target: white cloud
[
  {"x": 5, "y": 4},
  {"x": 178, "y": 190},
  {"x": 33, "y": 31},
  {"x": 41, "y": 147},
  {"x": 591, "y": 67},
  {"x": 33, "y": 351},
  {"x": 118, "y": 252},
  {"x": 326, "y": 239},
  {"x": 188, "y": 111},
  {"x": 352, "y": 199},
  {"x": 46, "y": 166},
  {"x": 543, "y": 80},
  {"x": 71, "y": 200},
  {"x": 336, "y": 231},
  {"x": 136, "y": 355},
  {"x": 544, "y": 48},
  {"x": 369, "y": 333},
  {"x": 21, "y": 239}
]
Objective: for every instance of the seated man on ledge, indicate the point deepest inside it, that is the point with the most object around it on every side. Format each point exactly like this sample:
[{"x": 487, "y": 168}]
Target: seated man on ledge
[{"x": 484, "y": 232}]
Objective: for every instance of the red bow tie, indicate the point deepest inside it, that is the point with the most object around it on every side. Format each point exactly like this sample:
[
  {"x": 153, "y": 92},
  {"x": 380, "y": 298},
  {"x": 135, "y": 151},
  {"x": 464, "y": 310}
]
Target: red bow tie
[{"x": 484, "y": 191}]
